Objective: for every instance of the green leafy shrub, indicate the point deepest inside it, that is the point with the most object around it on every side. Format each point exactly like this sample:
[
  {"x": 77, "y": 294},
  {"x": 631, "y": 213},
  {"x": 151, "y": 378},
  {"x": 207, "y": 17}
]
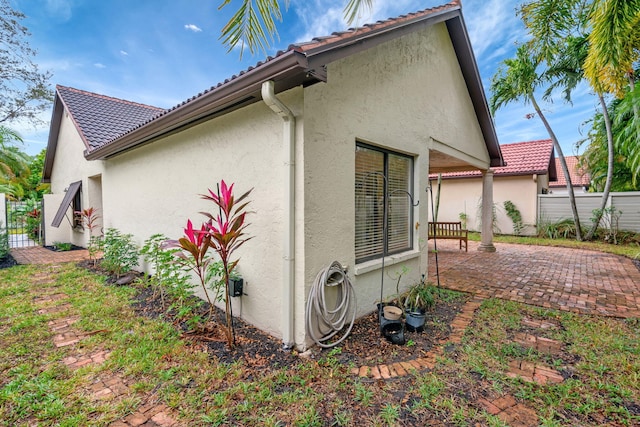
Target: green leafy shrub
[
  {"x": 169, "y": 278},
  {"x": 419, "y": 297},
  {"x": 563, "y": 229},
  {"x": 96, "y": 244},
  {"x": 609, "y": 218},
  {"x": 62, "y": 246},
  {"x": 120, "y": 252},
  {"x": 516, "y": 217},
  {"x": 464, "y": 218}
]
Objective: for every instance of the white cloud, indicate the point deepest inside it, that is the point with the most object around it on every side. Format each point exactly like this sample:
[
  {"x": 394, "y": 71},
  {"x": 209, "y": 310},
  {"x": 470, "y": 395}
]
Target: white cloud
[
  {"x": 323, "y": 17},
  {"x": 60, "y": 9},
  {"x": 124, "y": 53},
  {"x": 493, "y": 28},
  {"x": 193, "y": 27},
  {"x": 99, "y": 65}
]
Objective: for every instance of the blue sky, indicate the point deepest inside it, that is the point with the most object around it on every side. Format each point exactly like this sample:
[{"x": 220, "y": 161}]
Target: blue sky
[{"x": 162, "y": 52}]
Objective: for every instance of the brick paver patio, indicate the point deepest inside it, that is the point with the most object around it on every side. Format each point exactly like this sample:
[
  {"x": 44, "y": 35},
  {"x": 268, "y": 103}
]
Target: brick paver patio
[{"x": 573, "y": 280}]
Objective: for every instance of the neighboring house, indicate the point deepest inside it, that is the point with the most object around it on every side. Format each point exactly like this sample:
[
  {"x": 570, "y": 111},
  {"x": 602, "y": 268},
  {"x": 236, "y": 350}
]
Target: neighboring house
[
  {"x": 580, "y": 180},
  {"x": 311, "y": 130},
  {"x": 529, "y": 168}
]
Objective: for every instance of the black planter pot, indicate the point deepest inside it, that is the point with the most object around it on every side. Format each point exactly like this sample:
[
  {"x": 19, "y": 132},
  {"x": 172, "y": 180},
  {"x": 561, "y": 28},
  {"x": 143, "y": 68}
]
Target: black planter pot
[
  {"x": 392, "y": 330},
  {"x": 415, "y": 320}
]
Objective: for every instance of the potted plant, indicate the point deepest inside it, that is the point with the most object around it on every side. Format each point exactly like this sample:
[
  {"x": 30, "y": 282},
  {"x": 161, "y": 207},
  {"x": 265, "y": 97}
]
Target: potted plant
[{"x": 416, "y": 301}]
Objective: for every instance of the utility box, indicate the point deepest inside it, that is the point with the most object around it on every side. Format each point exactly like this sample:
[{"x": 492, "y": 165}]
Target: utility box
[{"x": 235, "y": 287}]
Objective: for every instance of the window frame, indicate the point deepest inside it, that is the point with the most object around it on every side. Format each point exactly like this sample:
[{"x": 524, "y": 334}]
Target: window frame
[{"x": 386, "y": 203}]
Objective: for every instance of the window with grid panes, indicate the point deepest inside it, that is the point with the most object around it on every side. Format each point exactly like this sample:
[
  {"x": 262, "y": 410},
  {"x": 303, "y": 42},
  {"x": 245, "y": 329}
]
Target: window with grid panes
[{"x": 373, "y": 196}]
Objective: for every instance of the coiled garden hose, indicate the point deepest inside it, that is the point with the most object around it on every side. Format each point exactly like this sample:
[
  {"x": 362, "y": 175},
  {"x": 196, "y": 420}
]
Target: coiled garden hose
[{"x": 321, "y": 318}]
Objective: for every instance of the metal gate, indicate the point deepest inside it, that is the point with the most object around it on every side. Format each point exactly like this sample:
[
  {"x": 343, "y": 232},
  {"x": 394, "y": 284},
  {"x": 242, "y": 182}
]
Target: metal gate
[{"x": 24, "y": 223}]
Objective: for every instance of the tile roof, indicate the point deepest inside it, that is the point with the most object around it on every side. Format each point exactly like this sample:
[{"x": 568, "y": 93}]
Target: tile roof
[
  {"x": 579, "y": 178},
  {"x": 522, "y": 158},
  {"x": 100, "y": 118},
  {"x": 305, "y": 48},
  {"x": 301, "y": 64},
  {"x": 367, "y": 28}
]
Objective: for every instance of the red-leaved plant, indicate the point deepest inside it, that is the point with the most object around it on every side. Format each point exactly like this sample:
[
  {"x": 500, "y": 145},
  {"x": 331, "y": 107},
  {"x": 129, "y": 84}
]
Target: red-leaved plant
[
  {"x": 196, "y": 245},
  {"x": 89, "y": 219},
  {"x": 224, "y": 233}
]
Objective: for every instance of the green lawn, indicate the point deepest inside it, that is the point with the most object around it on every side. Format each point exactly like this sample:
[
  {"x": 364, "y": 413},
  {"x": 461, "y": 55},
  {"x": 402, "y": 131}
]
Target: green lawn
[
  {"x": 600, "y": 359},
  {"x": 631, "y": 250}
]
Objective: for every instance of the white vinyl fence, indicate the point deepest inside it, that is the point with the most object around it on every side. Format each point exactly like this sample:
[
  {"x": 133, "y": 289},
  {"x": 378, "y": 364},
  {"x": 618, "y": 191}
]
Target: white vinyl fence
[{"x": 555, "y": 207}]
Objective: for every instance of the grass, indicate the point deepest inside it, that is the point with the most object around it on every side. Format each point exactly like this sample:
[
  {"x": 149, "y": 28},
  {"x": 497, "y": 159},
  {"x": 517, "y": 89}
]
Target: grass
[
  {"x": 600, "y": 358},
  {"x": 629, "y": 250}
]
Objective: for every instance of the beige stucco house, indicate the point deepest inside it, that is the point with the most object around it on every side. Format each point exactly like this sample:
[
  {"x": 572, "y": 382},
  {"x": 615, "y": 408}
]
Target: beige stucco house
[
  {"x": 311, "y": 130},
  {"x": 529, "y": 168}
]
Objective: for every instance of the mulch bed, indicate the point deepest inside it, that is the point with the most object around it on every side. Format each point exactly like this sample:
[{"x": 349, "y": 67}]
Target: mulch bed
[
  {"x": 364, "y": 345},
  {"x": 7, "y": 261}
]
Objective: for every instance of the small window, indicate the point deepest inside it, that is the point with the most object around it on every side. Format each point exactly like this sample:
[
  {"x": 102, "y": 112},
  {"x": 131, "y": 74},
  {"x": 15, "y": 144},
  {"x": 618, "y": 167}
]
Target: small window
[
  {"x": 76, "y": 206},
  {"x": 383, "y": 181}
]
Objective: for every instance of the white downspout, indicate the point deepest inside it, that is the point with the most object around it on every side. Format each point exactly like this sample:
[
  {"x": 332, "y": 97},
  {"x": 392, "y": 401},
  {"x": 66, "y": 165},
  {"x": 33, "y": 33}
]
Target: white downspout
[{"x": 289, "y": 149}]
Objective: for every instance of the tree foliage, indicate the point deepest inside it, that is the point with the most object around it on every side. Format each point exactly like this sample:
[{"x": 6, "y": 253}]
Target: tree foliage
[
  {"x": 626, "y": 176},
  {"x": 24, "y": 89},
  {"x": 20, "y": 174},
  {"x": 253, "y": 25},
  {"x": 614, "y": 44}
]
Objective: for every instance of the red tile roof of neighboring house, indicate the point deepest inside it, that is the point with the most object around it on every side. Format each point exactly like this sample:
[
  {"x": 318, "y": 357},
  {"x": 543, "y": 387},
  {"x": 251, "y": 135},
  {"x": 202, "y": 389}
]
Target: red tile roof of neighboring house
[
  {"x": 579, "y": 178},
  {"x": 100, "y": 118},
  {"x": 522, "y": 158}
]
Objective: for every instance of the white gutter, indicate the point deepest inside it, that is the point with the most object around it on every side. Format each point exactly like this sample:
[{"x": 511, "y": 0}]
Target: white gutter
[{"x": 289, "y": 150}]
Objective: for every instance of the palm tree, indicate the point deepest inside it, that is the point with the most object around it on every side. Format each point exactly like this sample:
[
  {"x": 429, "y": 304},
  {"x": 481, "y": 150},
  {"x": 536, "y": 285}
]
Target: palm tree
[
  {"x": 566, "y": 70},
  {"x": 614, "y": 42},
  {"x": 559, "y": 35},
  {"x": 253, "y": 25},
  {"x": 516, "y": 81}
]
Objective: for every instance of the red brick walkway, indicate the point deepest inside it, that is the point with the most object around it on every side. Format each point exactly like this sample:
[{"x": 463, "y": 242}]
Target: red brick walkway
[
  {"x": 40, "y": 255},
  {"x": 573, "y": 280}
]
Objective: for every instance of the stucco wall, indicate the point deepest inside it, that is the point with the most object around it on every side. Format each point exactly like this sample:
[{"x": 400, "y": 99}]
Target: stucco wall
[
  {"x": 53, "y": 234},
  {"x": 70, "y": 166},
  {"x": 398, "y": 96},
  {"x": 464, "y": 196},
  {"x": 156, "y": 188}
]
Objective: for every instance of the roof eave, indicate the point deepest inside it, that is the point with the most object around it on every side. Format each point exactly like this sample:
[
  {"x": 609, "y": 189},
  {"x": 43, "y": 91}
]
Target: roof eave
[
  {"x": 464, "y": 52},
  {"x": 52, "y": 143},
  {"x": 288, "y": 70}
]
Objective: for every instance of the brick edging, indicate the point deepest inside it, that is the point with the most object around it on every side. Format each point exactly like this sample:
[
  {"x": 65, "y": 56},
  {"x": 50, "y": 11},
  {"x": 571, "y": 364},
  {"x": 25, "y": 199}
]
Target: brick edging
[{"x": 404, "y": 368}]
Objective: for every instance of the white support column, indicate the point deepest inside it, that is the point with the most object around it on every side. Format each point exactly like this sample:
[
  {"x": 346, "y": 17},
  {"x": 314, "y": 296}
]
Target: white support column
[{"x": 486, "y": 241}]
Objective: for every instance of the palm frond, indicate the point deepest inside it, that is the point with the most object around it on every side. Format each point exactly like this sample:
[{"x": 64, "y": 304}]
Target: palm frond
[
  {"x": 614, "y": 42},
  {"x": 252, "y": 26},
  {"x": 353, "y": 9}
]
